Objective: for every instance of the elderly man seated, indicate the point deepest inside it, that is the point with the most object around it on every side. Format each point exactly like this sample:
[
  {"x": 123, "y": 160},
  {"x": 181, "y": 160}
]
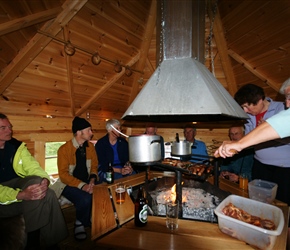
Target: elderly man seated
[{"x": 241, "y": 163}]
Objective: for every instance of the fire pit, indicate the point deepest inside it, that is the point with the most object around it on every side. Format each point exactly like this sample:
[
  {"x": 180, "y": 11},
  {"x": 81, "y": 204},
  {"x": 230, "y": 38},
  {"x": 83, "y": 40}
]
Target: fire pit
[{"x": 199, "y": 199}]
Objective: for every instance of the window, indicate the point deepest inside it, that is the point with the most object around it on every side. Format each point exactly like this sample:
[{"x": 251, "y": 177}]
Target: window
[{"x": 51, "y": 157}]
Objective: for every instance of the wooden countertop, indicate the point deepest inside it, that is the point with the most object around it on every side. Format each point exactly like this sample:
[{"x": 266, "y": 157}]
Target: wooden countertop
[{"x": 190, "y": 234}]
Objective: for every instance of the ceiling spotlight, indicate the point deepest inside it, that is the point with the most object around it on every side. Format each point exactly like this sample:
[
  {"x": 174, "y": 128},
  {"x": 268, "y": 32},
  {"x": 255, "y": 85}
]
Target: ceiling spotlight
[
  {"x": 69, "y": 49},
  {"x": 96, "y": 59},
  {"x": 118, "y": 67},
  {"x": 49, "y": 116},
  {"x": 128, "y": 71}
]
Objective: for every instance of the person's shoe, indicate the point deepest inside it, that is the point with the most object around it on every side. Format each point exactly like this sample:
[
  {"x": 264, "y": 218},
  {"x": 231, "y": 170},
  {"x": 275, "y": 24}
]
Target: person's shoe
[{"x": 80, "y": 232}]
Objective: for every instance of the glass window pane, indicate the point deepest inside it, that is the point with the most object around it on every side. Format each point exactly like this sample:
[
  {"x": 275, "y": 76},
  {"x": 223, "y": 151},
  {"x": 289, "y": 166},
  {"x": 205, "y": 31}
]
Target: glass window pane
[{"x": 51, "y": 156}]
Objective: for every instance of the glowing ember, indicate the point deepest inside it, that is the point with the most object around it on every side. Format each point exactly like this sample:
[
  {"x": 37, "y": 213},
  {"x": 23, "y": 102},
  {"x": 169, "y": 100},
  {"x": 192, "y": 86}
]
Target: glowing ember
[
  {"x": 196, "y": 203},
  {"x": 199, "y": 199}
]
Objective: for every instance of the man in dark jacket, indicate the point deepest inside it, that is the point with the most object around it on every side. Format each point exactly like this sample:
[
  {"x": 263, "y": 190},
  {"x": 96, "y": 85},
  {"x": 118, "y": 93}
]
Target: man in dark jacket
[{"x": 113, "y": 149}]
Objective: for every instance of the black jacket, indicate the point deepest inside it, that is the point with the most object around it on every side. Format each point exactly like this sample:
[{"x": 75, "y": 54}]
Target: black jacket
[{"x": 105, "y": 153}]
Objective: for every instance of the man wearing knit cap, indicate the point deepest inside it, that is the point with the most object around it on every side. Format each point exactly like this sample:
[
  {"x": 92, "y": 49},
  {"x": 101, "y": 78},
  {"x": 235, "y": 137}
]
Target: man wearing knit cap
[{"x": 77, "y": 167}]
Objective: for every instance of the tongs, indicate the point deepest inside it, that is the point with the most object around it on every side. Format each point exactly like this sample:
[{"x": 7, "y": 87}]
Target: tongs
[{"x": 119, "y": 131}]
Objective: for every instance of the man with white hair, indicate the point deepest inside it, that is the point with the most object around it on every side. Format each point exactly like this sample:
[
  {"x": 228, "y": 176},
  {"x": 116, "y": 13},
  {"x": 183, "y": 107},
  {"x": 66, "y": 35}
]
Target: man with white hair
[
  {"x": 198, "y": 148},
  {"x": 113, "y": 149},
  {"x": 242, "y": 163}
]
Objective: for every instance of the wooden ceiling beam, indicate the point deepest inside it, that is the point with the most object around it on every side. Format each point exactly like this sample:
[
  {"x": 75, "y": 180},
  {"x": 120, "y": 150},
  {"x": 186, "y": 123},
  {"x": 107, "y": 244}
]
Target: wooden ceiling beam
[
  {"x": 150, "y": 66},
  {"x": 144, "y": 50},
  {"x": 38, "y": 43},
  {"x": 69, "y": 72},
  {"x": 253, "y": 70},
  {"x": 222, "y": 46},
  {"x": 29, "y": 20},
  {"x": 108, "y": 85}
]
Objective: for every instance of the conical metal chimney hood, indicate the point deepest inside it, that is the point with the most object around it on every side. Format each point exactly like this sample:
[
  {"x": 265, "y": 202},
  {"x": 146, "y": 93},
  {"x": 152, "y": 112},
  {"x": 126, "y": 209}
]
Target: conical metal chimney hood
[{"x": 182, "y": 89}]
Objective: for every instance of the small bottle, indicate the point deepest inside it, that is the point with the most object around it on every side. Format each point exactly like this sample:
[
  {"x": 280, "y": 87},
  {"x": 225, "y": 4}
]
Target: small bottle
[
  {"x": 141, "y": 209},
  {"x": 110, "y": 174}
]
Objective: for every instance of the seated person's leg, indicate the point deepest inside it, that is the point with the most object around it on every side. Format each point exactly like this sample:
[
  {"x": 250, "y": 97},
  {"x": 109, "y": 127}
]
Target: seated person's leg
[{"x": 83, "y": 205}]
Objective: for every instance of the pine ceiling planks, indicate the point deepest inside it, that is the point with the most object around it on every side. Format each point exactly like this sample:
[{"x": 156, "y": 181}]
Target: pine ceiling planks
[{"x": 255, "y": 33}]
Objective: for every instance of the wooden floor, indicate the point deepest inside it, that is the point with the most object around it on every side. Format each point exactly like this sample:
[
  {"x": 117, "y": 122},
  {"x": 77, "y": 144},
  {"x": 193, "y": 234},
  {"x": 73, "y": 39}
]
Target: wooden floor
[{"x": 70, "y": 243}]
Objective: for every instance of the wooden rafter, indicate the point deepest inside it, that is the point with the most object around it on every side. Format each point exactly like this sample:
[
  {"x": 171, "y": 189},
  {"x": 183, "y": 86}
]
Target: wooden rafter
[
  {"x": 221, "y": 44},
  {"x": 109, "y": 84},
  {"x": 38, "y": 43},
  {"x": 29, "y": 20},
  {"x": 150, "y": 66},
  {"x": 253, "y": 70}
]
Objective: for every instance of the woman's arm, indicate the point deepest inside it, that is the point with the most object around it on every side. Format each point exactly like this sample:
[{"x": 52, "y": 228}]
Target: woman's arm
[{"x": 262, "y": 133}]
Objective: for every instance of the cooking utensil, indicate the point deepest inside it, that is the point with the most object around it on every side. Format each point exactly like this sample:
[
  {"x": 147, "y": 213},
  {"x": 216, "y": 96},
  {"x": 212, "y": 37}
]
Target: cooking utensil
[
  {"x": 144, "y": 148},
  {"x": 182, "y": 148},
  {"x": 119, "y": 131},
  {"x": 203, "y": 156}
]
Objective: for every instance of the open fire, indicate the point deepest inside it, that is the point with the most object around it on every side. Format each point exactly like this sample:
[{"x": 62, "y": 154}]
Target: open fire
[
  {"x": 198, "y": 199},
  {"x": 170, "y": 196}
]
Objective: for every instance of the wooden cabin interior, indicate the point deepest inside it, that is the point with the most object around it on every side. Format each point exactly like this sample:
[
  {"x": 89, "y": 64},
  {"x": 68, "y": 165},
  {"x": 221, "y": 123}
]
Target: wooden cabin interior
[{"x": 90, "y": 58}]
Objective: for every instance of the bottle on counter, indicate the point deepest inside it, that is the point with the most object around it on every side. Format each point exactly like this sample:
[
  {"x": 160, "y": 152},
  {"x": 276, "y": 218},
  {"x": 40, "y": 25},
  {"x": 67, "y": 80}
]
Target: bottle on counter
[
  {"x": 141, "y": 208},
  {"x": 110, "y": 174}
]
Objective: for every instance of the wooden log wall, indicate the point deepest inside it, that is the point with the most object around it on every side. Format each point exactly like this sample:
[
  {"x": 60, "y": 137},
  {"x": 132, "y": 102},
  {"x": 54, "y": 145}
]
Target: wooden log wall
[{"x": 36, "y": 131}]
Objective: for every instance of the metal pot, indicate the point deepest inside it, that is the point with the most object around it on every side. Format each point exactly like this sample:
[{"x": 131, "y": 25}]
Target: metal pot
[
  {"x": 182, "y": 148},
  {"x": 144, "y": 148}
]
